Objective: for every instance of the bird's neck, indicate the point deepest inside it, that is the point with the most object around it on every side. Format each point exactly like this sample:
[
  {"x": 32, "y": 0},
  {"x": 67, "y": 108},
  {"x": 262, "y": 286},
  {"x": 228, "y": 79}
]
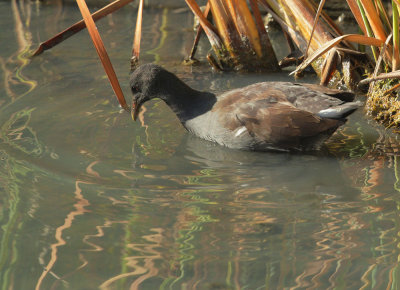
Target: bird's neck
[{"x": 188, "y": 103}]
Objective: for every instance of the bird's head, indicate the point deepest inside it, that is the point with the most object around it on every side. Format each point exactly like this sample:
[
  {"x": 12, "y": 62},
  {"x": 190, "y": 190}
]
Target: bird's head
[{"x": 147, "y": 82}]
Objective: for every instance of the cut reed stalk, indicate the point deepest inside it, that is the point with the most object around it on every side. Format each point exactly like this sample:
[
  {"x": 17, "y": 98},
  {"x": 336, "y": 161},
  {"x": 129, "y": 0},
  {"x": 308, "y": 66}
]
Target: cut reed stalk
[
  {"x": 208, "y": 28},
  {"x": 247, "y": 27},
  {"x": 264, "y": 39},
  {"x": 225, "y": 26},
  {"x": 242, "y": 41},
  {"x": 295, "y": 36},
  {"x": 101, "y": 51},
  {"x": 198, "y": 34}
]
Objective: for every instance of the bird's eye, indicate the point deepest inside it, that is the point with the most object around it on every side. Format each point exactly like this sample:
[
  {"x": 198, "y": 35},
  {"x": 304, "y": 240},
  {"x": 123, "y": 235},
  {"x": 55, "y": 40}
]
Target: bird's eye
[{"x": 134, "y": 90}]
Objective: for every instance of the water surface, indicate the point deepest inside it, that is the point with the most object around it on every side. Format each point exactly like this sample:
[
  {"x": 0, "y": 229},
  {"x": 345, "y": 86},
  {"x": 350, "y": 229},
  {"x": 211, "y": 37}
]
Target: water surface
[{"x": 90, "y": 199}]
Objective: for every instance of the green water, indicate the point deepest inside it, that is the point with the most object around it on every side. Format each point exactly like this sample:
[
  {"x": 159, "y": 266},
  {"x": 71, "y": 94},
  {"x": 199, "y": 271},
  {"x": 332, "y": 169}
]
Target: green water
[{"x": 90, "y": 199}]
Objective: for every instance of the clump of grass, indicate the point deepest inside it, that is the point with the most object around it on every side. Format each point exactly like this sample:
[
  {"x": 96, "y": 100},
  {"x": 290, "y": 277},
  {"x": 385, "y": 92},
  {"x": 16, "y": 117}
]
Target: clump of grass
[
  {"x": 240, "y": 41},
  {"x": 382, "y": 99},
  {"x": 323, "y": 45},
  {"x": 381, "y": 34},
  {"x": 383, "y": 103}
]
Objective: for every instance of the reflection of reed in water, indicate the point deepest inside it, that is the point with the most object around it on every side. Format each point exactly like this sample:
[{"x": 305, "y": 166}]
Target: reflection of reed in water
[
  {"x": 14, "y": 214},
  {"x": 204, "y": 216},
  {"x": 141, "y": 257},
  {"x": 15, "y": 83},
  {"x": 255, "y": 202},
  {"x": 17, "y": 133},
  {"x": 373, "y": 171},
  {"x": 307, "y": 233},
  {"x": 80, "y": 205}
]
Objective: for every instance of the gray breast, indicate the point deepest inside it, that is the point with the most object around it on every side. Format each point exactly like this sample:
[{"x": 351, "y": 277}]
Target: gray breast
[{"x": 209, "y": 127}]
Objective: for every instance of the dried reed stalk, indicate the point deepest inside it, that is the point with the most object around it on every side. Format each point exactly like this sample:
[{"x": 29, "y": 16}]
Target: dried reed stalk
[
  {"x": 137, "y": 37},
  {"x": 101, "y": 51},
  {"x": 60, "y": 37}
]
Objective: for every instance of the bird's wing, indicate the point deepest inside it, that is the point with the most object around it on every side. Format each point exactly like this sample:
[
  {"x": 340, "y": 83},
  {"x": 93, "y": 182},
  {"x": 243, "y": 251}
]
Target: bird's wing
[
  {"x": 284, "y": 125},
  {"x": 310, "y": 97},
  {"x": 338, "y": 94},
  {"x": 270, "y": 118}
]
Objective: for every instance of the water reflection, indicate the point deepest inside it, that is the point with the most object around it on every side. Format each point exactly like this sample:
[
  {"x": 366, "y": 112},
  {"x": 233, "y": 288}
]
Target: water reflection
[
  {"x": 251, "y": 203},
  {"x": 90, "y": 199}
]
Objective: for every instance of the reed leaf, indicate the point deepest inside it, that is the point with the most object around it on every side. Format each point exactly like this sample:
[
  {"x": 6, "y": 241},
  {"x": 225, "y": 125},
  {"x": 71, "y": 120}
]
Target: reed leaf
[
  {"x": 330, "y": 44},
  {"x": 317, "y": 16},
  {"x": 378, "y": 64},
  {"x": 367, "y": 27},
  {"x": 383, "y": 76},
  {"x": 374, "y": 19},
  {"x": 198, "y": 34},
  {"x": 257, "y": 16},
  {"x": 264, "y": 39},
  {"x": 274, "y": 5},
  {"x": 225, "y": 26},
  {"x": 305, "y": 15},
  {"x": 332, "y": 25},
  {"x": 329, "y": 67},
  {"x": 230, "y": 5},
  {"x": 101, "y": 51},
  {"x": 137, "y": 37},
  {"x": 300, "y": 16},
  {"x": 384, "y": 16},
  {"x": 336, "y": 31},
  {"x": 209, "y": 29},
  {"x": 247, "y": 27},
  {"x": 78, "y": 26},
  {"x": 365, "y": 21},
  {"x": 243, "y": 42},
  {"x": 297, "y": 38},
  {"x": 357, "y": 14}
]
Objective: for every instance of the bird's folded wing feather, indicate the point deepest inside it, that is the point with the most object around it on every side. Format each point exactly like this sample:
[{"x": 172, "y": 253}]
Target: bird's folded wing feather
[
  {"x": 269, "y": 117},
  {"x": 282, "y": 123}
]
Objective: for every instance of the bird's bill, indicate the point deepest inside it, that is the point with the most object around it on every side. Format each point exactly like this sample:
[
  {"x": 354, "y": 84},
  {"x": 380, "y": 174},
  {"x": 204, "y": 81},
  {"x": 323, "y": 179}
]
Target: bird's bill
[{"x": 135, "y": 110}]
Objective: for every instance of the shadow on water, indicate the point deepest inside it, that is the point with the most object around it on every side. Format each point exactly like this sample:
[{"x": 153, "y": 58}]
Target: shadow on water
[
  {"x": 272, "y": 169},
  {"x": 90, "y": 199}
]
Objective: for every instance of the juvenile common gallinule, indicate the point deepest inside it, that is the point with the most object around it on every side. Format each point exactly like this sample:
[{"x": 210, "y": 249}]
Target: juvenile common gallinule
[{"x": 263, "y": 116}]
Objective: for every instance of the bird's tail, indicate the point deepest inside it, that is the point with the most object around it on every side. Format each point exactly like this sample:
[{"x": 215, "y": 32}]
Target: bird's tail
[{"x": 341, "y": 111}]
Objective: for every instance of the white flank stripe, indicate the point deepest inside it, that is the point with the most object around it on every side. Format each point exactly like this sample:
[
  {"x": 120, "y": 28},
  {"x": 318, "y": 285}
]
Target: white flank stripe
[{"x": 240, "y": 131}]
